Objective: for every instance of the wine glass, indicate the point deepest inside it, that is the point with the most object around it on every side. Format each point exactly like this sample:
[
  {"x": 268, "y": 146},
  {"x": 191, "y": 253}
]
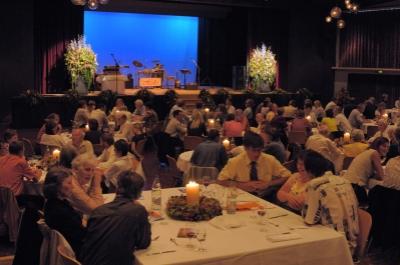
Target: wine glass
[
  {"x": 261, "y": 213},
  {"x": 201, "y": 236}
]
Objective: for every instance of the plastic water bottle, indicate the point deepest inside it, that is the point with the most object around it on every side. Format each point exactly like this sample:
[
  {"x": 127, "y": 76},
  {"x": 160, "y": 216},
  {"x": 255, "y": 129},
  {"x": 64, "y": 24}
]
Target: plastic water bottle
[{"x": 156, "y": 195}]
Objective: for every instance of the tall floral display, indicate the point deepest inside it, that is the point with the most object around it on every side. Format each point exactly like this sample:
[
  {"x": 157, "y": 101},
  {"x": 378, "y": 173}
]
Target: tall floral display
[
  {"x": 81, "y": 63},
  {"x": 262, "y": 68}
]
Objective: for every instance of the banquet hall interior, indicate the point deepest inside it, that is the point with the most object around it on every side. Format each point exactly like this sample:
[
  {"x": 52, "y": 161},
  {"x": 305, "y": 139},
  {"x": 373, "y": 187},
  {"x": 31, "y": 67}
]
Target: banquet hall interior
[{"x": 200, "y": 132}]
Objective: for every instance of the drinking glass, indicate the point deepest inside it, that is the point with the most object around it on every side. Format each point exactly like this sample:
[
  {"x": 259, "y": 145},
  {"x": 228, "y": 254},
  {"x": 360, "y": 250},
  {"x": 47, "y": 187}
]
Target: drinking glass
[
  {"x": 201, "y": 236},
  {"x": 261, "y": 215}
]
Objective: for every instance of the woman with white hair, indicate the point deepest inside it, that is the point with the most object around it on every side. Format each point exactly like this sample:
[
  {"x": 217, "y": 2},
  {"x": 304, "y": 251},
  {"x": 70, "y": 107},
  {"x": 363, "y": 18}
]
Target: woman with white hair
[
  {"x": 86, "y": 189},
  {"x": 140, "y": 109},
  {"x": 358, "y": 144},
  {"x": 383, "y": 131}
]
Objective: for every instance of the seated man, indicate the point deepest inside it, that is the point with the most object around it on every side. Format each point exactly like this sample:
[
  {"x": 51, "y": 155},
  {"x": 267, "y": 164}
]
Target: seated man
[
  {"x": 176, "y": 127},
  {"x": 84, "y": 147},
  {"x": 50, "y": 136},
  {"x": 210, "y": 153},
  {"x": 330, "y": 199},
  {"x": 107, "y": 157},
  {"x": 122, "y": 162},
  {"x": 357, "y": 146},
  {"x": 140, "y": 109},
  {"x": 253, "y": 170},
  {"x": 125, "y": 127},
  {"x": 116, "y": 229},
  {"x": 14, "y": 168},
  {"x": 81, "y": 115}
]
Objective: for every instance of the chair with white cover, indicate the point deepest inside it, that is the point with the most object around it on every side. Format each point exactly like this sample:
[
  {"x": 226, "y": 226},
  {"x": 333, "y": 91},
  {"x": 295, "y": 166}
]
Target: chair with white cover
[
  {"x": 197, "y": 173},
  {"x": 10, "y": 214},
  {"x": 365, "y": 223},
  {"x": 52, "y": 241},
  {"x": 190, "y": 142}
]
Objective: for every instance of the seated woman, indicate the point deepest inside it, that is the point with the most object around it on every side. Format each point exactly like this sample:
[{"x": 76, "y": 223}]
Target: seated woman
[
  {"x": 50, "y": 136},
  {"x": 86, "y": 185},
  {"x": 300, "y": 123},
  {"x": 291, "y": 194},
  {"x": 330, "y": 121},
  {"x": 232, "y": 127},
  {"x": 52, "y": 117},
  {"x": 58, "y": 212},
  {"x": 365, "y": 166},
  {"x": 93, "y": 135},
  {"x": 392, "y": 174},
  {"x": 197, "y": 127},
  {"x": 357, "y": 146}
]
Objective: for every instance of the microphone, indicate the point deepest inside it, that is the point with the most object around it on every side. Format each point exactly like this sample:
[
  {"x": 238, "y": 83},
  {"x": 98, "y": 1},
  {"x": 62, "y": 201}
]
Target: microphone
[{"x": 195, "y": 63}]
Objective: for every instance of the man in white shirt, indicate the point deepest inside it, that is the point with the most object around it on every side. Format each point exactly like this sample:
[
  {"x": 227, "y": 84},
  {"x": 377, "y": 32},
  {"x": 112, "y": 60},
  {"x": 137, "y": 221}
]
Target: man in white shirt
[
  {"x": 175, "y": 127},
  {"x": 107, "y": 157},
  {"x": 179, "y": 105},
  {"x": 125, "y": 128},
  {"x": 97, "y": 114},
  {"x": 81, "y": 115},
  {"x": 83, "y": 146},
  {"x": 321, "y": 143},
  {"x": 122, "y": 162},
  {"x": 342, "y": 122},
  {"x": 356, "y": 117},
  {"x": 50, "y": 138}
]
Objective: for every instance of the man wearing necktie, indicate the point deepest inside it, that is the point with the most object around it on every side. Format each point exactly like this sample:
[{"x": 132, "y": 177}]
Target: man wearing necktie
[{"x": 253, "y": 170}]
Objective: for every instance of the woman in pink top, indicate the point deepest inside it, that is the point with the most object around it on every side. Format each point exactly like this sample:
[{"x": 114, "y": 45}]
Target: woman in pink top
[
  {"x": 300, "y": 124},
  {"x": 232, "y": 127}
]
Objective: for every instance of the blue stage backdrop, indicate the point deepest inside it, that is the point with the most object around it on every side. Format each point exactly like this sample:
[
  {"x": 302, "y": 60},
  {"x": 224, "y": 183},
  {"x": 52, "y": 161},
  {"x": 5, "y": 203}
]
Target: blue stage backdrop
[{"x": 170, "y": 39}]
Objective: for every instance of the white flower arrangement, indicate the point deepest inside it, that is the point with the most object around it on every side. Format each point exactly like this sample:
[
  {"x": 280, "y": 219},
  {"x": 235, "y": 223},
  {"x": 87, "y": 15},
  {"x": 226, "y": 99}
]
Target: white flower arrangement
[
  {"x": 81, "y": 60},
  {"x": 262, "y": 65}
]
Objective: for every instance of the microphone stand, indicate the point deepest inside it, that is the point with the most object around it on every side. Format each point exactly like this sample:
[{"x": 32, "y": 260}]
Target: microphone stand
[
  {"x": 116, "y": 72},
  {"x": 198, "y": 69}
]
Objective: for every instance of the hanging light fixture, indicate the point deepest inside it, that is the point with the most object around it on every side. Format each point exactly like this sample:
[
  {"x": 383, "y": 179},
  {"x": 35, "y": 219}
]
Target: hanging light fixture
[
  {"x": 328, "y": 19},
  {"x": 336, "y": 12},
  {"x": 341, "y": 24},
  {"x": 92, "y": 4}
]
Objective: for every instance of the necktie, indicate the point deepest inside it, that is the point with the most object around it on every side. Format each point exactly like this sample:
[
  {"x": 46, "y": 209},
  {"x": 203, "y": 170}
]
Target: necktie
[{"x": 253, "y": 171}]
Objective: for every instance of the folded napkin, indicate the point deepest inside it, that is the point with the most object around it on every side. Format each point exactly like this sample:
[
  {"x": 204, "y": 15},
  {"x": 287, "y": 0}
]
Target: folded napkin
[
  {"x": 283, "y": 237},
  {"x": 225, "y": 222}
]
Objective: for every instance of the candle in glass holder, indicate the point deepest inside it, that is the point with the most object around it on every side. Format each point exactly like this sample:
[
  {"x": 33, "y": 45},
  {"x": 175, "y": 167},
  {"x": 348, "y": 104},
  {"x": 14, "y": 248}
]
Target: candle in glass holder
[
  {"x": 192, "y": 193},
  {"x": 56, "y": 154},
  {"x": 226, "y": 143},
  {"x": 211, "y": 123},
  {"x": 385, "y": 116},
  {"x": 87, "y": 127},
  {"x": 308, "y": 118},
  {"x": 346, "y": 137},
  {"x": 206, "y": 110}
]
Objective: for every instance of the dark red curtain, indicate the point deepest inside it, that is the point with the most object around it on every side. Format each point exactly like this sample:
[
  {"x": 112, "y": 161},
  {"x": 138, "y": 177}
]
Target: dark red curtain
[
  {"x": 371, "y": 40},
  {"x": 56, "y": 22}
]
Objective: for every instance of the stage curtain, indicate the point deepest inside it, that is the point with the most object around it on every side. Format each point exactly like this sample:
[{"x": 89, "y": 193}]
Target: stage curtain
[
  {"x": 52, "y": 32},
  {"x": 371, "y": 40}
]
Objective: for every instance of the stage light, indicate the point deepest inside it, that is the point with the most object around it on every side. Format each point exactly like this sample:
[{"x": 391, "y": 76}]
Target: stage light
[
  {"x": 355, "y": 8},
  {"x": 93, "y": 4},
  {"x": 336, "y": 12},
  {"x": 328, "y": 19},
  {"x": 341, "y": 24},
  {"x": 349, "y": 6}
]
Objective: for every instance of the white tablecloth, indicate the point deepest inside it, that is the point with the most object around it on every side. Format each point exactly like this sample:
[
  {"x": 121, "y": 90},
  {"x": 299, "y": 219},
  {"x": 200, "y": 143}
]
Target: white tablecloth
[
  {"x": 247, "y": 244},
  {"x": 183, "y": 162}
]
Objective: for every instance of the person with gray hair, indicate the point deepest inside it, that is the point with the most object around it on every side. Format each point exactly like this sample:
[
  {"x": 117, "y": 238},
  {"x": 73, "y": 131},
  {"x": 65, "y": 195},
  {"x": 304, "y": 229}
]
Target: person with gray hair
[
  {"x": 116, "y": 229},
  {"x": 140, "y": 109},
  {"x": 67, "y": 154},
  {"x": 86, "y": 184},
  {"x": 357, "y": 146}
]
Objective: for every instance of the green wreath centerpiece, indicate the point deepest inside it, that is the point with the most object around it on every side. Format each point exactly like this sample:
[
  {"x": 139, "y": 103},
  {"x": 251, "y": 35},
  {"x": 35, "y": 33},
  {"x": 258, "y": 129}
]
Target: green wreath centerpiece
[{"x": 208, "y": 208}]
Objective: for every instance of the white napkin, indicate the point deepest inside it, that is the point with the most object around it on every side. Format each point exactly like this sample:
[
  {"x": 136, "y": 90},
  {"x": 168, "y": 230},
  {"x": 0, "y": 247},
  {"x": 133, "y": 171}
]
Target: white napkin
[
  {"x": 159, "y": 247},
  {"x": 283, "y": 237},
  {"x": 225, "y": 222}
]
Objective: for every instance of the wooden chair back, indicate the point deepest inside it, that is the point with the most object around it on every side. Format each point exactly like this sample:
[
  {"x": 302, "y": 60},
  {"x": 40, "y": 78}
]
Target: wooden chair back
[{"x": 365, "y": 223}]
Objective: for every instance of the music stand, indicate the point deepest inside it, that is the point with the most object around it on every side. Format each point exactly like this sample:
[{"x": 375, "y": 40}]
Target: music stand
[{"x": 185, "y": 72}]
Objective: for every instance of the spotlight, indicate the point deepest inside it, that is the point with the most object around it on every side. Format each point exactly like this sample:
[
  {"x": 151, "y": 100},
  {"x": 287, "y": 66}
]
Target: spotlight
[
  {"x": 349, "y": 6},
  {"x": 355, "y": 8},
  {"x": 93, "y": 4},
  {"x": 336, "y": 12},
  {"x": 328, "y": 19},
  {"x": 341, "y": 24}
]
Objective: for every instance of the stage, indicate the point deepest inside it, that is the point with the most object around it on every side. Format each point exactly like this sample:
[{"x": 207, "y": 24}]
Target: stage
[{"x": 28, "y": 113}]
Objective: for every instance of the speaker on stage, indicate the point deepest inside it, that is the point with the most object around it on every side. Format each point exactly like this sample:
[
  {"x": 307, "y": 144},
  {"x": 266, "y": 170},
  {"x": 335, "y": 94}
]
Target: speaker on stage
[{"x": 239, "y": 77}]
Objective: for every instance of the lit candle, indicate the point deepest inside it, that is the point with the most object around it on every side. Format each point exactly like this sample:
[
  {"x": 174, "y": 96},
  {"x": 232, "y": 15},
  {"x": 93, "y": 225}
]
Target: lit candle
[
  {"x": 346, "y": 137},
  {"x": 206, "y": 110},
  {"x": 226, "y": 143},
  {"x": 385, "y": 116},
  {"x": 87, "y": 127},
  {"x": 192, "y": 193},
  {"x": 308, "y": 118},
  {"x": 56, "y": 154},
  {"x": 211, "y": 123}
]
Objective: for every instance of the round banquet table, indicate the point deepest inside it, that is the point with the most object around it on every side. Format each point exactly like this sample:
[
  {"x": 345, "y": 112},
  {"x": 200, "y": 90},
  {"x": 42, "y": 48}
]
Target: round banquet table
[{"x": 183, "y": 162}]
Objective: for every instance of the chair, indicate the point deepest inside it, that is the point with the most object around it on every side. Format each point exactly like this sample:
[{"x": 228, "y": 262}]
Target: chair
[
  {"x": 10, "y": 215},
  {"x": 291, "y": 166},
  {"x": 365, "y": 223},
  {"x": 297, "y": 137},
  {"x": 346, "y": 162},
  {"x": 197, "y": 173},
  {"x": 28, "y": 148},
  {"x": 52, "y": 243},
  {"x": 98, "y": 149},
  {"x": 190, "y": 142},
  {"x": 371, "y": 131}
]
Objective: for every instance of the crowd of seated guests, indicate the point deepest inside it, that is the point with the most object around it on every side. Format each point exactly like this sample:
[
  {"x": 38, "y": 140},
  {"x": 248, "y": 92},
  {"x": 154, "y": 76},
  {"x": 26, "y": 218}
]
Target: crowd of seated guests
[{"x": 75, "y": 188}]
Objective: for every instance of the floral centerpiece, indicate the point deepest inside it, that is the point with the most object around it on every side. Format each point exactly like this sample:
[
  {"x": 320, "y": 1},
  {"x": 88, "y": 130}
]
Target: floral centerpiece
[
  {"x": 208, "y": 208},
  {"x": 262, "y": 68},
  {"x": 81, "y": 62}
]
